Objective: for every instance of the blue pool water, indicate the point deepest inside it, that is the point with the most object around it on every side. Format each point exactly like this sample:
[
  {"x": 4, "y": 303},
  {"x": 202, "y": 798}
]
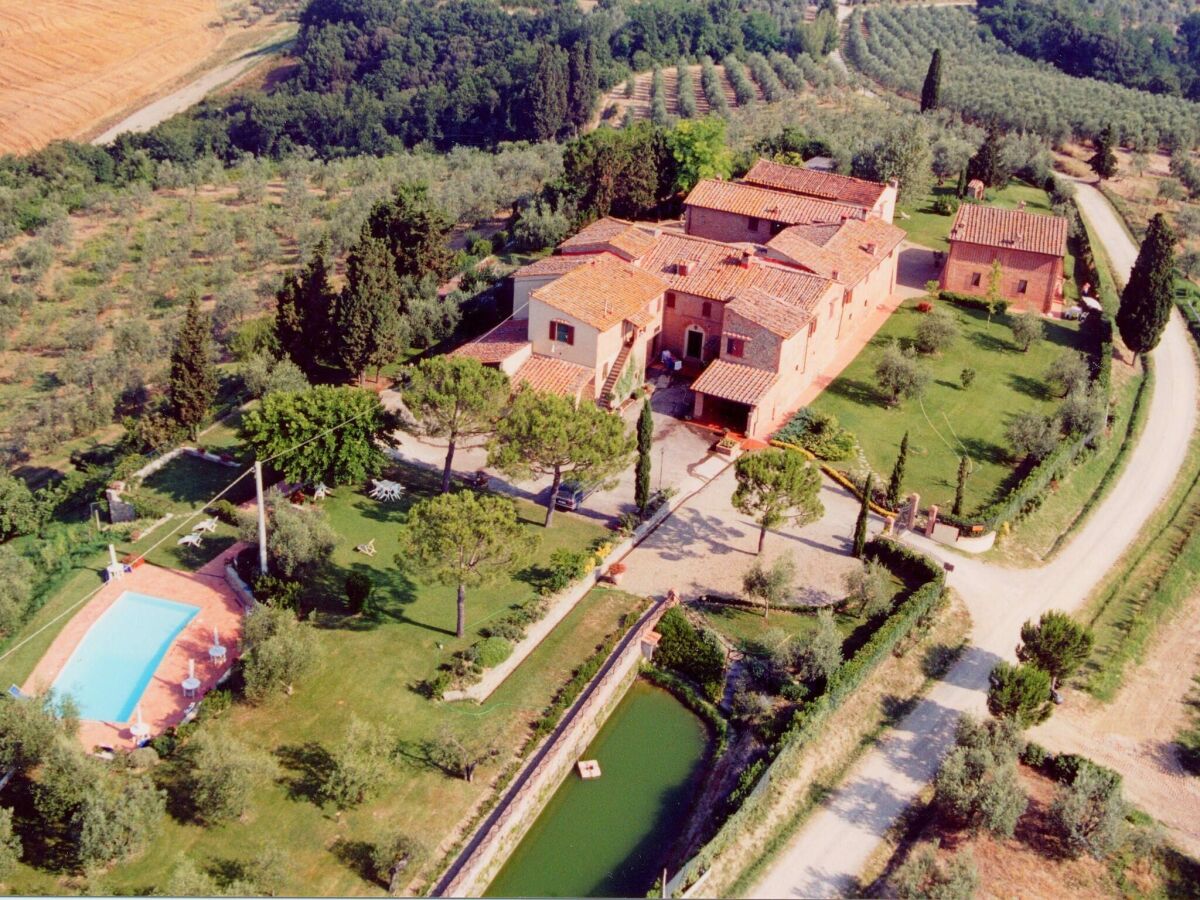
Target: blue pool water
[{"x": 109, "y": 670}]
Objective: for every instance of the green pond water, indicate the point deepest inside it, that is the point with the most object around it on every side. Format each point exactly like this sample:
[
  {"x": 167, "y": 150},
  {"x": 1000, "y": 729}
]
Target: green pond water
[{"x": 608, "y": 836}]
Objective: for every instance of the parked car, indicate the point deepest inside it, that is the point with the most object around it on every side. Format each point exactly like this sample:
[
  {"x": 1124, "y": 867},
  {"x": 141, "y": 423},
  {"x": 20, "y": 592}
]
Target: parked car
[{"x": 571, "y": 494}]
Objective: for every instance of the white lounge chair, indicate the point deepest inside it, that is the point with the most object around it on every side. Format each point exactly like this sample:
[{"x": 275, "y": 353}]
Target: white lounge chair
[
  {"x": 208, "y": 525},
  {"x": 368, "y": 548},
  {"x": 387, "y": 490},
  {"x": 190, "y": 540},
  {"x": 320, "y": 491}
]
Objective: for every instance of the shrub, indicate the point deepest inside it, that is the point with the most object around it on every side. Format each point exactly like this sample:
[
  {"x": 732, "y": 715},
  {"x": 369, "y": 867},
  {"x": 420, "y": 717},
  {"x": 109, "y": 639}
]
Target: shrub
[
  {"x": 223, "y": 773},
  {"x": 970, "y": 301},
  {"x": 945, "y": 206},
  {"x": 1089, "y": 812},
  {"x": 228, "y": 513},
  {"x": 967, "y": 377},
  {"x": 282, "y": 593},
  {"x": 980, "y": 790},
  {"x": 1034, "y": 755},
  {"x": 359, "y": 765},
  {"x": 358, "y": 589},
  {"x": 936, "y": 331},
  {"x": 693, "y": 653},
  {"x": 924, "y": 307},
  {"x": 492, "y": 651},
  {"x": 565, "y": 568},
  {"x": 1027, "y": 329},
  {"x": 819, "y": 433},
  {"x": 922, "y": 877},
  {"x": 1020, "y": 693}
]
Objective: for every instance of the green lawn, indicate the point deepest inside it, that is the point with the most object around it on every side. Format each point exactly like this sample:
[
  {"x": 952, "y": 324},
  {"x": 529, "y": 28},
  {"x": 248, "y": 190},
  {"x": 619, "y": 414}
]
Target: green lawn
[
  {"x": 949, "y": 421},
  {"x": 928, "y": 228},
  {"x": 742, "y": 626},
  {"x": 370, "y": 667}
]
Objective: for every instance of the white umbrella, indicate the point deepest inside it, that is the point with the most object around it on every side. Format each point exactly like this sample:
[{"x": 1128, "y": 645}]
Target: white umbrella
[
  {"x": 137, "y": 711},
  {"x": 216, "y": 637},
  {"x": 191, "y": 668}
]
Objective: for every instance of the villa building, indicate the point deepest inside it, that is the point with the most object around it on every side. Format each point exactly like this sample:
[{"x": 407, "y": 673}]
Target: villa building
[
  {"x": 1029, "y": 247},
  {"x": 753, "y": 293}
]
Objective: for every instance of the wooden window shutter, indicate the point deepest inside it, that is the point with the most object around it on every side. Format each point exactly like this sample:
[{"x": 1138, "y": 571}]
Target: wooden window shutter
[
  {"x": 553, "y": 329},
  {"x": 570, "y": 334}
]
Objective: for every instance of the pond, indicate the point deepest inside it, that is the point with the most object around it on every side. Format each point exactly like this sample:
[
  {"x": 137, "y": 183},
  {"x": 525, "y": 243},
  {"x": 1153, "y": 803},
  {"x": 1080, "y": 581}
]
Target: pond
[{"x": 609, "y": 836}]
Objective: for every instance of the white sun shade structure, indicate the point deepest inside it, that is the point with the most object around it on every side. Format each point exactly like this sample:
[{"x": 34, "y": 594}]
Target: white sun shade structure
[{"x": 216, "y": 652}]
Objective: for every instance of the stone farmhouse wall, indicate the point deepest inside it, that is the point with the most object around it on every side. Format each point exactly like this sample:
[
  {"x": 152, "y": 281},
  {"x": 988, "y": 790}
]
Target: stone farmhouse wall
[
  {"x": 1043, "y": 273},
  {"x": 728, "y": 227},
  {"x": 688, "y": 315}
]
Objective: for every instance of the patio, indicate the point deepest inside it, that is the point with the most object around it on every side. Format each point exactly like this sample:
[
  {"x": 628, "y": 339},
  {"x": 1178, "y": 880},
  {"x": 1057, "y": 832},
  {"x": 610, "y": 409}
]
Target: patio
[{"x": 163, "y": 703}]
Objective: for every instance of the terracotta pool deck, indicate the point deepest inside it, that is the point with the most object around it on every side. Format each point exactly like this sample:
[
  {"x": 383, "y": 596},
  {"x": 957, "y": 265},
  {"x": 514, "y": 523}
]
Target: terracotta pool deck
[{"x": 163, "y": 703}]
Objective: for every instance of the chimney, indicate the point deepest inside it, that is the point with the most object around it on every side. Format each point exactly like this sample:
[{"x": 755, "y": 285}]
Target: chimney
[
  {"x": 683, "y": 267},
  {"x": 894, "y": 183},
  {"x": 834, "y": 274},
  {"x": 870, "y": 248},
  {"x": 744, "y": 261}
]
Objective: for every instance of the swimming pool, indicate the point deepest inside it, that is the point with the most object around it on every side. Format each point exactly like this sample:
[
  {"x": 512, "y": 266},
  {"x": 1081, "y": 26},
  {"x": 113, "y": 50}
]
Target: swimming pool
[{"x": 109, "y": 670}]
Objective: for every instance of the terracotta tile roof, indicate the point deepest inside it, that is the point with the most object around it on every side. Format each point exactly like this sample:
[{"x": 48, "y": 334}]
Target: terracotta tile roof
[
  {"x": 714, "y": 272},
  {"x": 507, "y": 338},
  {"x": 734, "y": 381},
  {"x": 550, "y": 265},
  {"x": 553, "y": 375},
  {"x": 601, "y": 293},
  {"x": 812, "y": 183},
  {"x": 625, "y": 239},
  {"x": 762, "y": 203},
  {"x": 777, "y": 316},
  {"x": 1013, "y": 229},
  {"x": 846, "y": 251}
]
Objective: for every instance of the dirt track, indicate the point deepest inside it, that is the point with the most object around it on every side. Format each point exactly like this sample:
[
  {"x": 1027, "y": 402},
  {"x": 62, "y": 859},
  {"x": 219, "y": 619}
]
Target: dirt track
[{"x": 66, "y": 65}]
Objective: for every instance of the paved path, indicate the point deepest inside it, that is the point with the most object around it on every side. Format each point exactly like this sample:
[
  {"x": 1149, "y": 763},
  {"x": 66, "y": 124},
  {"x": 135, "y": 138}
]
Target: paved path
[{"x": 825, "y": 858}]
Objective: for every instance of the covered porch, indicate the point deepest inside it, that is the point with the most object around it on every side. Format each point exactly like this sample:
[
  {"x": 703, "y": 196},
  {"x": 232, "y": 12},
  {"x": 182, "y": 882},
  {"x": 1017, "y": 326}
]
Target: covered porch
[{"x": 729, "y": 395}]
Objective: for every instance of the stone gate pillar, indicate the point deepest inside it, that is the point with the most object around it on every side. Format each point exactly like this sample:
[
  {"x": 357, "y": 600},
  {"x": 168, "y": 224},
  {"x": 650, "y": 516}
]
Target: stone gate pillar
[
  {"x": 914, "y": 504},
  {"x": 931, "y": 520}
]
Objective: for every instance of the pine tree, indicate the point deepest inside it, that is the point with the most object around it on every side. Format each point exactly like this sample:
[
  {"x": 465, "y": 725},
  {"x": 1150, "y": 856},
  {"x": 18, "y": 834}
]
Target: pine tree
[
  {"x": 547, "y": 104},
  {"x": 370, "y": 330},
  {"x": 964, "y": 469},
  {"x": 1146, "y": 300},
  {"x": 304, "y": 314},
  {"x": 931, "y": 90},
  {"x": 415, "y": 229},
  {"x": 645, "y": 440},
  {"x": 193, "y": 382},
  {"x": 864, "y": 517},
  {"x": 895, "y": 484},
  {"x": 1104, "y": 162}
]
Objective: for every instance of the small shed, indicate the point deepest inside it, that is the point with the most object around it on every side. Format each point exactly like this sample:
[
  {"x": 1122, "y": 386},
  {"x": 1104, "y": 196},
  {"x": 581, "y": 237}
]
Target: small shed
[{"x": 975, "y": 189}]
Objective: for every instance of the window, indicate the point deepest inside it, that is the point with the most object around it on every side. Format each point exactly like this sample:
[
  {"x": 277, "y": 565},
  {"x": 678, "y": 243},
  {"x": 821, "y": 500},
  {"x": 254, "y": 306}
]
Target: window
[
  {"x": 777, "y": 227},
  {"x": 812, "y": 327},
  {"x": 706, "y": 310},
  {"x": 1022, "y": 286},
  {"x": 670, "y": 299},
  {"x": 735, "y": 347},
  {"x": 752, "y": 223},
  {"x": 976, "y": 279},
  {"x": 561, "y": 331}
]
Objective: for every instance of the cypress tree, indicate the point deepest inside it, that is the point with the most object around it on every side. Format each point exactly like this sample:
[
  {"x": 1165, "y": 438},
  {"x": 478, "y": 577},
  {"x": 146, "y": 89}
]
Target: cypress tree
[
  {"x": 985, "y": 164},
  {"x": 931, "y": 90},
  {"x": 193, "y": 383},
  {"x": 961, "y": 190},
  {"x": 304, "y": 314},
  {"x": 370, "y": 330},
  {"x": 963, "y": 470},
  {"x": 864, "y": 517},
  {"x": 645, "y": 439},
  {"x": 584, "y": 83},
  {"x": 1104, "y": 162},
  {"x": 896, "y": 482},
  {"x": 547, "y": 105},
  {"x": 1146, "y": 300}
]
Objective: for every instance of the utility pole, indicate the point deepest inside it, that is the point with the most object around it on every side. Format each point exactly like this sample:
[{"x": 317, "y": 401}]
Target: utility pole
[{"x": 262, "y": 519}]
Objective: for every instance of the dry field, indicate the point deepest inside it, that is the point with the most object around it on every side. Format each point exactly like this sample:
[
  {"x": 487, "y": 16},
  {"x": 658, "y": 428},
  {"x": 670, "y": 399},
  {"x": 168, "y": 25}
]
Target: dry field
[{"x": 68, "y": 66}]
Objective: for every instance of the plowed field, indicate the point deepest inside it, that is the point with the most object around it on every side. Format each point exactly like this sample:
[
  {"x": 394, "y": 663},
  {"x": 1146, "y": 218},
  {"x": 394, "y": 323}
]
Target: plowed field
[{"x": 68, "y": 65}]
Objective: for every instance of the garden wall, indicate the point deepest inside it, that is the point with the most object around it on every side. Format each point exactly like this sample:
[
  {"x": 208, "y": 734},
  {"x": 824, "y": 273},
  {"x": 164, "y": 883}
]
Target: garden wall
[{"x": 504, "y": 828}]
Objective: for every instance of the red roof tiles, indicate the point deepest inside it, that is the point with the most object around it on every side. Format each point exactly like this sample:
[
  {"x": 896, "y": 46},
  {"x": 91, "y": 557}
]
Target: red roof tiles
[
  {"x": 617, "y": 236},
  {"x": 553, "y": 375},
  {"x": 550, "y": 265},
  {"x": 1012, "y": 229},
  {"x": 763, "y": 203},
  {"x": 601, "y": 293},
  {"x": 507, "y": 338},
  {"x": 811, "y": 183},
  {"x": 734, "y": 381}
]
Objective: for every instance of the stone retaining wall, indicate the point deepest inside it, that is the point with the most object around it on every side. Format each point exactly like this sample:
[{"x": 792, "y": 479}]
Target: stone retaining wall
[
  {"x": 550, "y": 765},
  {"x": 558, "y": 609}
]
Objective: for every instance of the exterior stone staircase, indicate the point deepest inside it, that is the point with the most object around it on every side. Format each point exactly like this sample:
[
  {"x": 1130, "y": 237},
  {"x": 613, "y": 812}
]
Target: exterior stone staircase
[{"x": 614, "y": 375}]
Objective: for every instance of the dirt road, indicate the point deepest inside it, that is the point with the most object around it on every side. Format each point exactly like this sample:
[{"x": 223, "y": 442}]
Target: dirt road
[
  {"x": 189, "y": 95},
  {"x": 826, "y": 856}
]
